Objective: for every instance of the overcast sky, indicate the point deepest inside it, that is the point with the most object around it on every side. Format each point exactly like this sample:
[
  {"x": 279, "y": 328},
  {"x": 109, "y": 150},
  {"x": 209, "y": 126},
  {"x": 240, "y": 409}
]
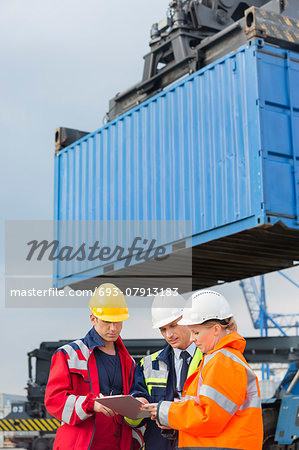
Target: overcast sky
[{"x": 61, "y": 62}]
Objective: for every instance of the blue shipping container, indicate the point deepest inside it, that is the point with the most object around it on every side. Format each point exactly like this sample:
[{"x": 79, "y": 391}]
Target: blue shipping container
[{"x": 219, "y": 150}]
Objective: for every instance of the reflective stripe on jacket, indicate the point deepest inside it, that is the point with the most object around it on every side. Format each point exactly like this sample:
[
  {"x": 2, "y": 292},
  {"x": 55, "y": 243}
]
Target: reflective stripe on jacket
[
  {"x": 157, "y": 378},
  {"x": 221, "y": 405},
  {"x": 73, "y": 385}
]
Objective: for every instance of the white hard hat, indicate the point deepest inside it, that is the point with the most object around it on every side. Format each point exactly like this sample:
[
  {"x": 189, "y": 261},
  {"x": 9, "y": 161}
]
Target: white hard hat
[
  {"x": 167, "y": 308},
  {"x": 203, "y": 306}
]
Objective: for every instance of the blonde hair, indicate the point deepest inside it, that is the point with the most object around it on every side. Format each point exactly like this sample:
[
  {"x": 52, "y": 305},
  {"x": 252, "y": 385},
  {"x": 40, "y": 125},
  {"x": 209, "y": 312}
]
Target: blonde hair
[{"x": 227, "y": 324}]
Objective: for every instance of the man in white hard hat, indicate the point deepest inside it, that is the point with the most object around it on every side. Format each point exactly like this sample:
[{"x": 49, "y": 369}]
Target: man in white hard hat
[
  {"x": 81, "y": 371},
  {"x": 161, "y": 376}
]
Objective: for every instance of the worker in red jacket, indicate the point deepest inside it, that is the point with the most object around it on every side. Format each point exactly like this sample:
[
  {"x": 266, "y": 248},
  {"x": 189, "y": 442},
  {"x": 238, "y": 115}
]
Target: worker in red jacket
[
  {"x": 221, "y": 405},
  {"x": 83, "y": 370}
]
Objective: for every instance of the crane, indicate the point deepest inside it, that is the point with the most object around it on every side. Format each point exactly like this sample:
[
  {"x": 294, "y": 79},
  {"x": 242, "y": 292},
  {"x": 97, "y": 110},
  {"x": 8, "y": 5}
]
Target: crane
[
  {"x": 261, "y": 319},
  {"x": 257, "y": 307}
]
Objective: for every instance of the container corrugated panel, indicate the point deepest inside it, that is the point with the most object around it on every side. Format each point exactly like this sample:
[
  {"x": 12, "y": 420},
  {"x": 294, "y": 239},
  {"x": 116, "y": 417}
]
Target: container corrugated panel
[{"x": 219, "y": 150}]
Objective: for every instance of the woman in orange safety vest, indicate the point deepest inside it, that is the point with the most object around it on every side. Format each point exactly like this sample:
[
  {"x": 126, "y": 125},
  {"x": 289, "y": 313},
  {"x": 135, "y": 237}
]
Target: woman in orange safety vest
[{"x": 220, "y": 407}]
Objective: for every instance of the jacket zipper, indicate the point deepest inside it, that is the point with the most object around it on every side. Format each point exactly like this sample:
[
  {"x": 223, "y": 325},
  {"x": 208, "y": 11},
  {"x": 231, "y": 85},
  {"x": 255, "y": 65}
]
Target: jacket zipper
[
  {"x": 130, "y": 376},
  {"x": 94, "y": 425}
]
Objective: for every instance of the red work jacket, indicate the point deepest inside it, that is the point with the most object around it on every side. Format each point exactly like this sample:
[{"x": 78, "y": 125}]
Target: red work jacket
[{"x": 72, "y": 387}]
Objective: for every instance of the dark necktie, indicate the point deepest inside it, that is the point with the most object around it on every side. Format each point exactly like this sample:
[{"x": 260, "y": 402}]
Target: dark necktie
[{"x": 184, "y": 355}]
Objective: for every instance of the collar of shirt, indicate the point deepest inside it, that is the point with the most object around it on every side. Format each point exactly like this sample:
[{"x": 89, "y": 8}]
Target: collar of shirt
[
  {"x": 93, "y": 339},
  {"x": 191, "y": 350},
  {"x": 178, "y": 363}
]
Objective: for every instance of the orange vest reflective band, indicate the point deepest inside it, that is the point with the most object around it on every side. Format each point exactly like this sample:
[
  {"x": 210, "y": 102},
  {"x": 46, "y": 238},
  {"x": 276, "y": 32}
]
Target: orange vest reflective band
[
  {"x": 221, "y": 407},
  {"x": 252, "y": 399}
]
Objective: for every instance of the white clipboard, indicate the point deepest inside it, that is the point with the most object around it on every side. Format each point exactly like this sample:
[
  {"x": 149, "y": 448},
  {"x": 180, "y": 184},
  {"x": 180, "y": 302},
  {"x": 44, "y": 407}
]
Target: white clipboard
[{"x": 125, "y": 405}]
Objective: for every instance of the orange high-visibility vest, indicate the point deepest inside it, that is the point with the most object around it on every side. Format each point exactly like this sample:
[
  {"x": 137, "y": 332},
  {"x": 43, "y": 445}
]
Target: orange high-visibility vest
[{"x": 221, "y": 405}]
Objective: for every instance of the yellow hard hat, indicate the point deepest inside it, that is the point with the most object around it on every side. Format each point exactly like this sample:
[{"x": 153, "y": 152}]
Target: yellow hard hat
[{"x": 108, "y": 303}]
